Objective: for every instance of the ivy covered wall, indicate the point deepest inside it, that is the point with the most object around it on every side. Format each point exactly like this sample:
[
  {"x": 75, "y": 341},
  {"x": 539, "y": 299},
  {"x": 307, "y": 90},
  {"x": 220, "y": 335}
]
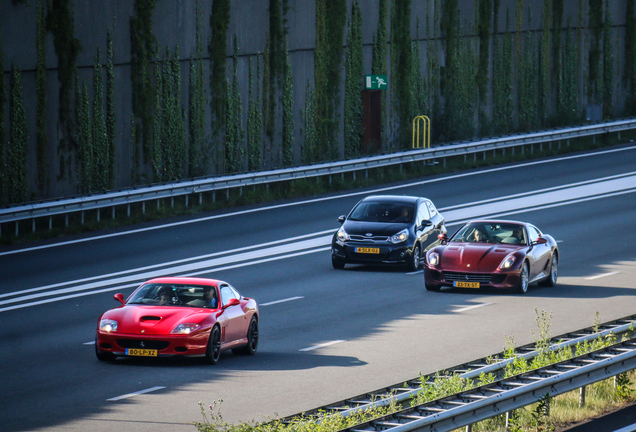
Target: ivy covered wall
[{"x": 124, "y": 93}]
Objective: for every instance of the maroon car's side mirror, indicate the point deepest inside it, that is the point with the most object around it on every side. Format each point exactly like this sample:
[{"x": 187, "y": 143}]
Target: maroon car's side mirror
[
  {"x": 119, "y": 297},
  {"x": 442, "y": 237},
  {"x": 540, "y": 240}
]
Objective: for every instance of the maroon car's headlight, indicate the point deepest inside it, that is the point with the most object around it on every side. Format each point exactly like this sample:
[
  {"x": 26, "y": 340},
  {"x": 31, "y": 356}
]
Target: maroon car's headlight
[
  {"x": 186, "y": 328},
  {"x": 433, "y": 258},
  {"x": 507, "y": 262},
  {"x": 107, "y": 325}
]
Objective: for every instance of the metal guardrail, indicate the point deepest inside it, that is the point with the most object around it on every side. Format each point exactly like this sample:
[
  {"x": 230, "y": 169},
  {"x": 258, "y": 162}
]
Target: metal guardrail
[
  {"x": 211, "y": 184},
  {"x": 406, "y": 390},
  {"x": 490, "y": 400}
]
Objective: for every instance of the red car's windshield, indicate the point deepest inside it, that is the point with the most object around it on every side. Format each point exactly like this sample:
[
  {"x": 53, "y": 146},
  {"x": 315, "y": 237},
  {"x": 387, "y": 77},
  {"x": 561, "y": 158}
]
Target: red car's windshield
[{"x": 176, "y": 295}]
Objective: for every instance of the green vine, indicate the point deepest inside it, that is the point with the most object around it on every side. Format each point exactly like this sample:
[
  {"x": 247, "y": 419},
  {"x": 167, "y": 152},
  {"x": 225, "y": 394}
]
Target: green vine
[
  {"x": 254, "y": 120},
  {"x": 545, "y": 59},
  {"x": 330, "y": 21},
  {"x": 85, "y": 151},
  {"x": 530, "y": 79},
  {"x": 608, "y": 65},
  {"x": 219, "y": 23},
  {"x": 503, "y": 107},
  {"x": 234, "y": 134},
  {"x": 198, "y": 153},
  {"x": 19, "y": 136},
  {"x": 142, "y": 50},
  {"x": 99, "y": 137},
  {"x": 3, "y": 146},
  {"x": 41, "y": 105},
  {"x": 59, "y": 22},
  {"x": 484, "y": 25},
  {"x": 630, "y": 58},
  {"x": 309, "y": 150},
  {"x": 110, "y": 112},
  {"x": 595, "y": 67},
  {"x": 353, "y": 115},
  {"x": 288, "y": 110},
  {"x": 401, "y": 67},
  {"x": 568, "y": 100}
]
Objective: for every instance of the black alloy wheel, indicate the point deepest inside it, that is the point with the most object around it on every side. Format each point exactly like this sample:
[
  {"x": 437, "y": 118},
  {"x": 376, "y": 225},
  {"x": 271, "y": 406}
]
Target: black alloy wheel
[
  {"x": 252, "y": 339},
  {"x": 213, "y": 351}
]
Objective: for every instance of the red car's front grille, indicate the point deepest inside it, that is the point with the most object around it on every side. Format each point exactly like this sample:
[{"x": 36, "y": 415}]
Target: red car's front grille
[
  {"x": 139, "y": 343},
  {"x": 467, "y": 277}
]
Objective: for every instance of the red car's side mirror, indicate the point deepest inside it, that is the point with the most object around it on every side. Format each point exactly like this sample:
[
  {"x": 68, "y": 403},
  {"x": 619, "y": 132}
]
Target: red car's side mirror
[
  {"x": 232, "y": 302},
  {"x": 540, "y": 240},
  {"x": 119, "y": 297}
]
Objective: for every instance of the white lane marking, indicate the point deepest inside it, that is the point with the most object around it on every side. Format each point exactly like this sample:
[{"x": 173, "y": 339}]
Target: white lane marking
[
  {"x": 630, "y": 428},
  {"x": 281, "y": 301},
  {"x": 169, "y": 263},
  {"x": 471, "y": 307},
  {"x": 140, "y": 392},
  {"x": 415, "y": 272},
  {"x": 366, "y": 192},
  {"x": 89, "y": 343},
  {"x": 322, "y": 345},
  {"x": 131, "y": 285},
  {"x": 601, "y": 275}
]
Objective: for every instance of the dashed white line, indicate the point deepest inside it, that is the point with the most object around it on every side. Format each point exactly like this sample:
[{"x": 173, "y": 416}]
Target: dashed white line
[
  {"x": 89, "y": 343},
  {"x": 281, "y": 301},
  {"x": 322, "y": 345},
  {"x": 471, "y": 307},
  {"x": 140, "y": 392},
  {"x": 601, "y": 275}
]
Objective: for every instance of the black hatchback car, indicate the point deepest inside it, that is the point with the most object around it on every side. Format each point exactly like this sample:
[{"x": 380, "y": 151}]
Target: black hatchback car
[{"x": 387, "y": 229}]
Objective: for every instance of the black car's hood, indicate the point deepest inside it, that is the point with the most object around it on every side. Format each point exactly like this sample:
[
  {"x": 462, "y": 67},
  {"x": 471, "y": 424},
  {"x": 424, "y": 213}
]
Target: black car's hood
[{"x": 374, "y": 228}]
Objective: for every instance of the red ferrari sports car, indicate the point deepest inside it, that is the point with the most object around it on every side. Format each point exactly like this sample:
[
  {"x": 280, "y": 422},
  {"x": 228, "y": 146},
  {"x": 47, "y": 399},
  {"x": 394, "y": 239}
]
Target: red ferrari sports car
[
  {"x": 493, "y": 254},
  {"x": 179, "y": 316}
]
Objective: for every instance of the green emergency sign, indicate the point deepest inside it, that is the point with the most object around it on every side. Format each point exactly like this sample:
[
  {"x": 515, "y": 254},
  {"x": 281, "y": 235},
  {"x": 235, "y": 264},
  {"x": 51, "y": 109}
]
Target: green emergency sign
[{"x": 375, "y": 82}]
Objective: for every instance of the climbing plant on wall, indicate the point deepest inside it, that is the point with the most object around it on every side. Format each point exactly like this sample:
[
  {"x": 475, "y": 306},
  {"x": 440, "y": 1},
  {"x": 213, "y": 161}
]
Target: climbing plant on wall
[
  {"x": 484, "y": 25},
  {"x": 330, "y": 22},
  {"x": 595, "y": 67},
  {"x": 530, "y": 79},
  {"x": 568, "y": 100},
  {"x": 143, "y": 49},
  {"x": 630, "y": 58},
  {"x": 40, "y": 90},
  {"x": 59, "y": 21},
  {"x": 234, "y": 134},
  {"x": 18, "y": 137},
  {"x": 3, "y": 101},
  {"x": 219, "y": 23},
  {"x": 254, "y": 119},
  {"x": 288, "y": 110},
  {"x": 545, "y": 61},
  {"x": 353, "y": 115},
  {"x": 309, "y": 150},
  {"x": 110, "y": 112},
  {"x": 608, "y": 65},
  {"x": 401, "y": 62},
  {"x": 99, "y": 137},
  {"x": 503, "y": 107},
  {"x": 198, "y": 152},
  {"x": 85, "y": 151}
]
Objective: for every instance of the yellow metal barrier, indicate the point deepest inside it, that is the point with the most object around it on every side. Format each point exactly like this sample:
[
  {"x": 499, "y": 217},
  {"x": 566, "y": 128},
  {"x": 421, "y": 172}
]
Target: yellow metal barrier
[{"x": 426, "y": 132}]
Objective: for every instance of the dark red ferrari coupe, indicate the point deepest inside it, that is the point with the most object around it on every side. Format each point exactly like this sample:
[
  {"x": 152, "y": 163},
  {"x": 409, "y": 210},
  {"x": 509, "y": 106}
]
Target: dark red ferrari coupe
[
  {"x": 179, "y": 316},
  {"x": 493, "y": 254}
]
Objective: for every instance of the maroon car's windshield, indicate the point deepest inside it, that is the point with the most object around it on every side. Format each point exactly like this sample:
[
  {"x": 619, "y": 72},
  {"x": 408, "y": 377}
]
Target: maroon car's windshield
[
  {"x": 494, "y": 233},
  {"x": 176, "y": 295}
]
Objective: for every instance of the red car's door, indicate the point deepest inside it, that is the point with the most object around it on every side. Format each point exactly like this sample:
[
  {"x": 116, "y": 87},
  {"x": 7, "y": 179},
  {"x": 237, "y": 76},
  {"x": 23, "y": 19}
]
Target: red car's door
[{"x": 234, "y": 318}]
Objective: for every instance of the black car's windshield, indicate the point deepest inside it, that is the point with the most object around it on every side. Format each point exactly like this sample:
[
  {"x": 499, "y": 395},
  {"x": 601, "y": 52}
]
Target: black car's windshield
[
  {"x": 383, "y": 212},
  {"x": 497, "y": 233},
  {"x": 175, "y": 295}
]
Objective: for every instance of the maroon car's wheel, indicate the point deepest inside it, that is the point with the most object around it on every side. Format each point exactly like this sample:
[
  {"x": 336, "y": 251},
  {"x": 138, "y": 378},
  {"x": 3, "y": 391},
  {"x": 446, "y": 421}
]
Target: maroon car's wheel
[
  {"x": 252, "y": 339},
  {"x": 522, "y": 287},
  {"x": 213, "y": 352},
  {"x": 551, "y": 280}
]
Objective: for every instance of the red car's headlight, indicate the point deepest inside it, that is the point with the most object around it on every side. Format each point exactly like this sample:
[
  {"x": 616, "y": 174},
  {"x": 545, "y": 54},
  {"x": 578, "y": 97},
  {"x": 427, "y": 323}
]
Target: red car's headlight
[
  {"x": 433, "y": 258},
  {"x": 185, "y": 328},
  {"x": 108, "y": 325}
]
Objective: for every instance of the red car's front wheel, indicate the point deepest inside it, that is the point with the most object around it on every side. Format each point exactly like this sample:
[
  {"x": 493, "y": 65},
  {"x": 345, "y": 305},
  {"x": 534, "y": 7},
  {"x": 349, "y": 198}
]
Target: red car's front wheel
[{"x": 213, "y": 351}]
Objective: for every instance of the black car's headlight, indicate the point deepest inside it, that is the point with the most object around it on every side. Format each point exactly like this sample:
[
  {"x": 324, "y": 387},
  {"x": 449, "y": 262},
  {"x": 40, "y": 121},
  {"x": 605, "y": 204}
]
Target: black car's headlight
[
  {"x": 342, "y": 235},
  {"x": 433, "y": 258},
  {"x": 108, "y": 325},
  {"x": 399, "y": 237},
  {"x": 186, "y": 328}
]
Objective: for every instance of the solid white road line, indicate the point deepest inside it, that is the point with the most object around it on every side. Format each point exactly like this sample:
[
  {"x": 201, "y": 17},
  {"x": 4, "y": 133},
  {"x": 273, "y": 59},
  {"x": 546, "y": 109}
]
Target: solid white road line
[
  {"x": 366, "y": 192},
  {"x": 601, "y": 275},
  {"x": 89, "y": 343},
  {"x": 136, "y": 393},
  {"x": 281, "y": 301},
  {"x": 630, "y": 428},
  {"x": 471, "y": 307},
  {"x": 322, "y": 345}
]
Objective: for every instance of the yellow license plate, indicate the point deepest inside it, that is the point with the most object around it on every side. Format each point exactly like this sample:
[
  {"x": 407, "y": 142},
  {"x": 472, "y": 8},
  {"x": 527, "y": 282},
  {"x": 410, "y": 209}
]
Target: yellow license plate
[
  {"x": 466, "y": 284},
  {"x": 141, "y": 352},
  {"x": 368, "y": 250}
]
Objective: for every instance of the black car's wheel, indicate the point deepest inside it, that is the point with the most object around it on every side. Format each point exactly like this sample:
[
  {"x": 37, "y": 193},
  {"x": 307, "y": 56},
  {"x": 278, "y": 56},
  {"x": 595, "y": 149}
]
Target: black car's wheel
[
  {"x": 414, "y": 263},
  {"x": 213, "y": 352},
  {"x": 103, "y": 355},
  {"x": 252, "y": 339},
  {"x": 522, "y": 287},
  {"x": 337, "y": 264},
  {"x": 551, "y": 280}
]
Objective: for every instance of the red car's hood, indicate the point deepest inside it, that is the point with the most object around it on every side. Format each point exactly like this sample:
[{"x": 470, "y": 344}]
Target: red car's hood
[
  {"x": 154, "y": 320},
  {"x": 475, "y": 257}
]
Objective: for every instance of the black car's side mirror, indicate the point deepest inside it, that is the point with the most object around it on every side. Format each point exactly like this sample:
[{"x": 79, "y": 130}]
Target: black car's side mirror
[
  {"x": 426, "y": 222},
  {"x": 342, "y": 218}
]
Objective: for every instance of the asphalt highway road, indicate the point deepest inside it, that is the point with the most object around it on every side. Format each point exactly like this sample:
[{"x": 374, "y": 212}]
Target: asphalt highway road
[{"x": 326, "y": 334}]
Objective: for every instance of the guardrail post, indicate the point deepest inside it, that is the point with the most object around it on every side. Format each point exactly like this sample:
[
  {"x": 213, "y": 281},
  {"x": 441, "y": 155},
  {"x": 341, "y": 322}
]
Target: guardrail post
[
  {"x": 128, "y": 209},
  {"x": 50, "y": 223},
  {"x": 171, "y": 202},
  {"x": 582, "y": 397},
  {"x": 213, "y": 197},
  {"x": 66, "y": 220},
  {"x": 113, "y": 212},
  {"x": 98, "y": 212},
  {"x": 143, "y": 207},
  {"x": 200, "y": 198},
  {"x": 16, "y": 228},
  {"x": 187, "y": 196},
  {"x": 507, "y": 420},
  {"x": 82, "y": 214},
  {"x": 469, "y": 428},
  {"x": 33, "y": 230}
]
